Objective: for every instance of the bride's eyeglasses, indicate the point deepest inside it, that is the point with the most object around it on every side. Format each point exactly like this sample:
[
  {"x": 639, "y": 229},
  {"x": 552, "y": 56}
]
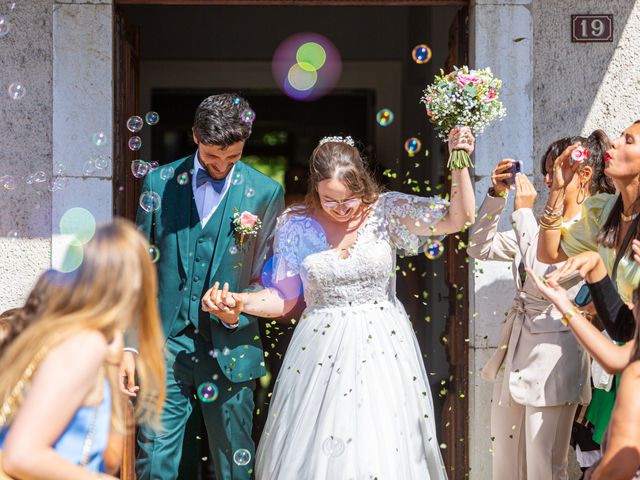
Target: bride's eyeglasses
[{"x": 345, "y": 205}]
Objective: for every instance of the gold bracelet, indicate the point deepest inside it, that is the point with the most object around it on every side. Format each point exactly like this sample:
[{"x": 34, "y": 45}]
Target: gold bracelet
[
  {"x": 550, "y": 227},
  {"x": 550, "y": 224},
  {"x": 553, "y": 212},
  {"x": 549, "y": 220},
  {"x": 568, "y": 315}
]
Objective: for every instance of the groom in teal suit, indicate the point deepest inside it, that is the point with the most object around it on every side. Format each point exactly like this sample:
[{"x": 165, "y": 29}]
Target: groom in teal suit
[{"x": 214, "y": 360}]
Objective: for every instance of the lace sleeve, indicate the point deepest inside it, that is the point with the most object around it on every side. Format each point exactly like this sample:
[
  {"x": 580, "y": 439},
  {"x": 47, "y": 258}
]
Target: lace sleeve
[
  {"x": 297, "y": 236},
  {"x": 410, "y": 219}
]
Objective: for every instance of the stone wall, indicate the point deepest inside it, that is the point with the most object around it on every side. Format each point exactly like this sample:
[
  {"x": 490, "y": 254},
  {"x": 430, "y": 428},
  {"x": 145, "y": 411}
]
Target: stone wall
[
  {"x": 553, "y": 88},
  {"x": 26, "y": 56},
  {"x": 579, "y": 87}
]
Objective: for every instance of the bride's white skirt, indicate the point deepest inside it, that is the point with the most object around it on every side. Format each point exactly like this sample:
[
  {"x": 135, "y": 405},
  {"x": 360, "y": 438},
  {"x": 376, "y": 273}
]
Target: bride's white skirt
[{"x": 352, "y": 401}]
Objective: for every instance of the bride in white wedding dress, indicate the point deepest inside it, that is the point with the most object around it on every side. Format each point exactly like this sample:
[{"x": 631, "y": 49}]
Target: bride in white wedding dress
[{"x": 352, "y": 400}]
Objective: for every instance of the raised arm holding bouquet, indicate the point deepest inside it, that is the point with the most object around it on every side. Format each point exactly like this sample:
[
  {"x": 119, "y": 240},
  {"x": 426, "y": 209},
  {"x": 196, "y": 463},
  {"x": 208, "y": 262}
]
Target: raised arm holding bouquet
[{"x": 463, "y": 98}]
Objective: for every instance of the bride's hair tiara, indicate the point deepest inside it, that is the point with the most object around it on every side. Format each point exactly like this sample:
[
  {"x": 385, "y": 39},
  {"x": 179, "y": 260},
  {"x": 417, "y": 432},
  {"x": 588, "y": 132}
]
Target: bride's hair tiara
[{"x": 348, "y": 140}]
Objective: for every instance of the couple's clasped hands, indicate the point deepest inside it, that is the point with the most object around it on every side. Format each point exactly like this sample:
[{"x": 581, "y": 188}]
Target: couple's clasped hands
[{"x": 222, "y": 303}]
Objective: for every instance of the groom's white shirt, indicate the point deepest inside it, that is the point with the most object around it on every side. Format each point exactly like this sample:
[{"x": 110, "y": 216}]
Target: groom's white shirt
[{"x": 206, "y": 198}]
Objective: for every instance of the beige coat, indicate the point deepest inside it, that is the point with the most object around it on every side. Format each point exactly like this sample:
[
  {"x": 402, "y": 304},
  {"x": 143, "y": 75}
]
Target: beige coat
[{"x": 544, "y": 364}]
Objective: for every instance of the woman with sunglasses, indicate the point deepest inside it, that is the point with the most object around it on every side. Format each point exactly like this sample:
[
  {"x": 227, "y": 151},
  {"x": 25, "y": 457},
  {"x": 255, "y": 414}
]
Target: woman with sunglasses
[{"x": 352, "y": 399}]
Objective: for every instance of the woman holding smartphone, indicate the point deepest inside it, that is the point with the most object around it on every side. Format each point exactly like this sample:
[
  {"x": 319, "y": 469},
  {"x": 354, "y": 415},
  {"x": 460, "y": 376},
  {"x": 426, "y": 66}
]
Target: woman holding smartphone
[{"x": 540, "y": 371}]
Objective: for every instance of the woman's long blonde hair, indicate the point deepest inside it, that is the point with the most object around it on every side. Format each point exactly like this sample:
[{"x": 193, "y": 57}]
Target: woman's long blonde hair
[{"x": 114, "y": 288}]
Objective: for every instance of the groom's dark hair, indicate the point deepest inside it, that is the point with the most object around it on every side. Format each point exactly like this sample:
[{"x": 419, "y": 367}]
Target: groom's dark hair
[{"x": 219, "y": 120}]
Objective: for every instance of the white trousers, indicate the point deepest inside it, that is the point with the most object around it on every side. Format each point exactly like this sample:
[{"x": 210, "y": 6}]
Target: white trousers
[{"x": 529, "y": 443}]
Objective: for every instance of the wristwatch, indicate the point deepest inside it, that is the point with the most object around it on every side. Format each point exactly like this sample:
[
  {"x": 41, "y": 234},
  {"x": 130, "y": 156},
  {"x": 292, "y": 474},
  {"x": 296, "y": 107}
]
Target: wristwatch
[{"x": 568, "y": 315}]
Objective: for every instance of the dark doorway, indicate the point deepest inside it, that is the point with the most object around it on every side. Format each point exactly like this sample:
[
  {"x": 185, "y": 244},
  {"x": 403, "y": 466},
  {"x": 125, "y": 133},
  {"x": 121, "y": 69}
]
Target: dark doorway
[{"x": 183, "y": 58}]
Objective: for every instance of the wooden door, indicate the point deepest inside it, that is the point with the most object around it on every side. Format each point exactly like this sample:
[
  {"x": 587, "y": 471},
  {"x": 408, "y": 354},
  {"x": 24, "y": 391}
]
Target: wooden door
[
  {"x": 455, "y": 415},
  {"x": 126, "y": 84}
]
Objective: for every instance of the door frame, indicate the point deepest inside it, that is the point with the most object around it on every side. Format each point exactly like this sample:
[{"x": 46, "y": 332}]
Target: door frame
[
  {"x": 269, "y": 3},
  {"x": 455, "y": 415}
]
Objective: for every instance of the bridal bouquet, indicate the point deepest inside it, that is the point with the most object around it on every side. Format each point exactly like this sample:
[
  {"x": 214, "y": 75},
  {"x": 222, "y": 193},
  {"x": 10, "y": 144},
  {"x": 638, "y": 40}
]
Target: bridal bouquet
[{"x": 463, "y": 98}]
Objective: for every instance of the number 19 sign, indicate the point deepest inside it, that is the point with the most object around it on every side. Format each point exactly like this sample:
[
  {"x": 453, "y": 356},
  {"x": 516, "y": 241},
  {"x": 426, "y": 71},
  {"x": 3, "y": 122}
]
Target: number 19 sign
[{"x": 591, "y": 28}]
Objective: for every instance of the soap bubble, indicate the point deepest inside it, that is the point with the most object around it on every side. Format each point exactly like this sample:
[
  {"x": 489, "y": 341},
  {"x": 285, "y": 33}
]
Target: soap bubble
[
  {"x": 154, "y": 252},
  {"x": 183, "y": 178},
  {"x": 242, "y": 457},
  {"x": 99, "y": 139},
  {"x": 80, "y": 223},
  {"x": 306, "y": 66},
  {"x": 40, "y": 177},
  {"x": 385, "y": 117},
  {"x": 135, "y": 123},
  {"x": 333, "y": 447},
  {"x": 301, "y": 78},
  {"x": 12, "y": 235},
  {"x": 167, "y": 173},
  {"x": 412, "y": 146},
  {"x": 152, "y": 118},
  {"x": 207, "y": 392},
  {"x": 88, "y": 168},
  {"x": 8, "y": 182},
  {"x": 237, "y": 179},
  {"x": 433, "y": 249},
  {"x": 249, "y": 192},
  {"x": 4, "y": 26},
  {"x": 421, "y": 54},
  {"x": 311, "y": 56},
  {"x": 58, "y": 169},
  {"x": 248, "y": 116},
  {"x": 233, "y": 250},
  {"x": 58, "y": 183},
  {"x": 16, "y": 91},
  {"x": 135, "y": 143},
  {"x": 153, "y": 165},
  {"x": 101, "y": 162},
  {"x": 150, "y": 201},
  {"x": 139, "y": 168}
]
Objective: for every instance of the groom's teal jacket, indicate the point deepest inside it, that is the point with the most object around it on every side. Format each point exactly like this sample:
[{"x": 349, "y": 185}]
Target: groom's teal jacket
[{"x": 170, "y": 228}]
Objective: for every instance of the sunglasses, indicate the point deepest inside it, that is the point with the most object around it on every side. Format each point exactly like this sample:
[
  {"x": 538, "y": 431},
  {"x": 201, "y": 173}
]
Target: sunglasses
[{"x": 353, "y": 203}]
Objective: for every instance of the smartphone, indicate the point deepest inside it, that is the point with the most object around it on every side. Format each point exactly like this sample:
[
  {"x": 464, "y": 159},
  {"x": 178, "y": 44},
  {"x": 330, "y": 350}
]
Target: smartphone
[
  {"x": 516, "y": 167},
  {"x": 583, "y": 297}
]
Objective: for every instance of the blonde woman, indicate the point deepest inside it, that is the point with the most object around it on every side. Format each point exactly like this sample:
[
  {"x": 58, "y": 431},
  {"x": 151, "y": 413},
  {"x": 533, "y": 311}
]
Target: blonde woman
[{"x": 56, "y": 378}]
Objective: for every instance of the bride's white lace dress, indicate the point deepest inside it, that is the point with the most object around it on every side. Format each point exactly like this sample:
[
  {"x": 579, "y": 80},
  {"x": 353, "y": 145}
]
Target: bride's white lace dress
[{"x": 352, "y": 400}]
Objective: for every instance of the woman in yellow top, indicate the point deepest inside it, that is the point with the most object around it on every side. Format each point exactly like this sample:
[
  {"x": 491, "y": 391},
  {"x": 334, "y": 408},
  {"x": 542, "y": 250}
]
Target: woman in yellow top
[
  {"x": 606, "y": 218},
  {"x": 608, "y": 224}
]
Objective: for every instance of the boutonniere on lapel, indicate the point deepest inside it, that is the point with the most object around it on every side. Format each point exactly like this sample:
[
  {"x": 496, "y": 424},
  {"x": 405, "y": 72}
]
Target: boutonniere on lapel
[{"x": 245, "y": 224}]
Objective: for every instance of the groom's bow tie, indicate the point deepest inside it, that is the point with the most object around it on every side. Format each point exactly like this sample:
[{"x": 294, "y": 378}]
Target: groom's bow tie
[{"x": 203, "y": 177}]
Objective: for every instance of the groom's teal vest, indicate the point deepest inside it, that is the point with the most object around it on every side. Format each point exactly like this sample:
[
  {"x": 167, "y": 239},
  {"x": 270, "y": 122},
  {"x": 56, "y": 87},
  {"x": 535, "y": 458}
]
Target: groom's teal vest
[
  {"x": 175, "y": 229},
  {"x": 202, "y": 242}
]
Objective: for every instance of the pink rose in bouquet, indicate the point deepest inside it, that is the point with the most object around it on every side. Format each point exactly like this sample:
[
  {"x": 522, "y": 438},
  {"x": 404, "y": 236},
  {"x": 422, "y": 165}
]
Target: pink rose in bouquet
[
  {"x": 463, "y": 79},
  {"x": 490, "y": 96}
]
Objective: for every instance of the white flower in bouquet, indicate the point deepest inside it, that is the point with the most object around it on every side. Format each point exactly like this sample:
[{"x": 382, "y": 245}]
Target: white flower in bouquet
[{"x": 463, "y": 98}]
